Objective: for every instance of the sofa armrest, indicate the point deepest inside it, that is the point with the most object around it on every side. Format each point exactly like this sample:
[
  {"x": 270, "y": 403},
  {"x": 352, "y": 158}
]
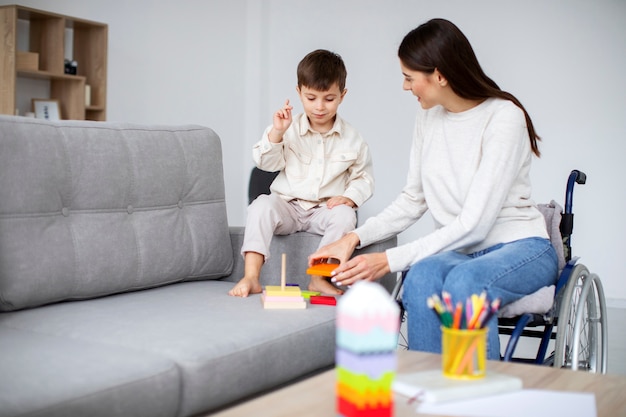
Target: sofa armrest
[{"x": 298, "y": 247}]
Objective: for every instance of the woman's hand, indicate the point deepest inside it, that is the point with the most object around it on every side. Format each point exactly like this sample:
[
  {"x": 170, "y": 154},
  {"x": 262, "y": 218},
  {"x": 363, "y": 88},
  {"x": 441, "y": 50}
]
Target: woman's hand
[
  {"x": 368, "y": 267},
  {"x": 340, "y": 250}
]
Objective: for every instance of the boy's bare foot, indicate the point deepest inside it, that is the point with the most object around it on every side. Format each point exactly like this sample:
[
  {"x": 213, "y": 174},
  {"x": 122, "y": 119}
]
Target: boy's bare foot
[
  {"x": 323, "y": 285},
  {"x": 245, "y": 287}
]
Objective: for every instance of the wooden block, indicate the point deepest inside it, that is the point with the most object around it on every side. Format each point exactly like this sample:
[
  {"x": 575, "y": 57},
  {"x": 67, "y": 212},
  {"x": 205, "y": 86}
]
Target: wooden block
[
  {"x": 283, "y": 305},
  {"x": 323, "y": 299},
  {"x": 282, "y": 299},
  {"x": 278, "y": 291},
  {"x": 27, "y": 61},
  {"x": 324, "y": 270},
  {"x": 307, "y": 294}
]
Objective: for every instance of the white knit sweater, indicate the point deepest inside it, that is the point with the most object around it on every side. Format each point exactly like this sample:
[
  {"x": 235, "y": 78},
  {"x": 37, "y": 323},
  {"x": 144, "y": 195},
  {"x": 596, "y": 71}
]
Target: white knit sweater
[{"x": 471, "y": 170}]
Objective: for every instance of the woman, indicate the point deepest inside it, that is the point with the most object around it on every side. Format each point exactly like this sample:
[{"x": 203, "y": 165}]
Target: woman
[{"x": 469, "y": 165}]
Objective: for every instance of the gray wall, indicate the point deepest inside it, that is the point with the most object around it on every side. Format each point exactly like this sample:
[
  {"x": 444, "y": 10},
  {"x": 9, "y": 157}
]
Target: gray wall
[{"x": 229, "y": 64}]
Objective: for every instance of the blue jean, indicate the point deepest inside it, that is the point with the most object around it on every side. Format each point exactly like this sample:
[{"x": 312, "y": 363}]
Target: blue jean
[{"x": 507, "y": 271}]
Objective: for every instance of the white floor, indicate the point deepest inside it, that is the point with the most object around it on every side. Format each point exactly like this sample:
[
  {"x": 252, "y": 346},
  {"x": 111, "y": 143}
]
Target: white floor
[
  {"x": 617, "y": 341},
  {"x": 616, "y": 317}
]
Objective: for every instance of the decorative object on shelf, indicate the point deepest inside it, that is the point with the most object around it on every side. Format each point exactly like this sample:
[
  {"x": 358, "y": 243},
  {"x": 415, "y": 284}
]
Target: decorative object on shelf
[
  {"x": 28, "y": 61},
  {"x": 46, "y": 109},
  {"x": 71, "y": 67},
  {"x": 87, "y": 95}
]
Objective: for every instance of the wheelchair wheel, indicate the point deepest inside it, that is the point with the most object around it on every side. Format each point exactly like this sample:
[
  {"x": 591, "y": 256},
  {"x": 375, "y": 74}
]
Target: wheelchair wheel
[{"x": 581, "y": 337}]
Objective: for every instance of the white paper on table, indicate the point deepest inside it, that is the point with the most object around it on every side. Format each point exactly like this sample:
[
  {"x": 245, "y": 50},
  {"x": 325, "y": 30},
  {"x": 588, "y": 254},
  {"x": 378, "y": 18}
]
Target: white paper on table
[{"x": 523, "y": 403}]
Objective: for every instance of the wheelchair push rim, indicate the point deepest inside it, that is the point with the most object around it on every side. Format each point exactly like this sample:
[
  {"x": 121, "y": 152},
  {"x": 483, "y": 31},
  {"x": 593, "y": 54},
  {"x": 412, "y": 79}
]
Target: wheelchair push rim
[{"x": 581, "y": 337}]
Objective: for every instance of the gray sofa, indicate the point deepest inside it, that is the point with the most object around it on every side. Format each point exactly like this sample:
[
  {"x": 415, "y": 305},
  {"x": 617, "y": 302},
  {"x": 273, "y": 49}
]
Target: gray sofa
[{"x": 115, "y": 261}]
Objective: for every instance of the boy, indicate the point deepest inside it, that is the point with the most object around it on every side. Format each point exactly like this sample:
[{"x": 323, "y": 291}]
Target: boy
[{"x": 325, "y": 171}]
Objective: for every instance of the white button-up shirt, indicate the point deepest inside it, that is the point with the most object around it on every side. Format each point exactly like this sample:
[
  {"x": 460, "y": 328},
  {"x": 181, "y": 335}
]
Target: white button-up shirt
[{"x": 314, "y": 166}]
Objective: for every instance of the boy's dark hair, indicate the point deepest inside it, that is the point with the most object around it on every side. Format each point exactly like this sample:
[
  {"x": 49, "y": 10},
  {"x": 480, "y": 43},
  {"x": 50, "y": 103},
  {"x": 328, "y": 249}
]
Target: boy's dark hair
[{"x": 321, "y": 69}]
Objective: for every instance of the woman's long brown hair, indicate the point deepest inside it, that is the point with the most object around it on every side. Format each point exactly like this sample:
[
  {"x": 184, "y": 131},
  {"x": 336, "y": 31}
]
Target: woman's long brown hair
[{"x": 439, "y": 44}]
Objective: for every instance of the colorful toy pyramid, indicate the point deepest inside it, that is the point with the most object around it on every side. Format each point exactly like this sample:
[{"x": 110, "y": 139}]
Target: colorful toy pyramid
[
  {"x": 282, "y": 296},
  {"x": 368, "y": 322}
]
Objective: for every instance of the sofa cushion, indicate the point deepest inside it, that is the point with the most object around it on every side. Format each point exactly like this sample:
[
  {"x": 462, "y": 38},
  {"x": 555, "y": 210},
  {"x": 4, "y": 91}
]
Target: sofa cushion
[
  {"x": 91, "y": 208},
  {"x": 47, "y": 375},
  {"x": 226, "y": 348}
]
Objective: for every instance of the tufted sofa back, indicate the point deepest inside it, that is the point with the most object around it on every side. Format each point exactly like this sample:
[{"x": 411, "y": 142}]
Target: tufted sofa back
[{"x": 89, "y": 209}]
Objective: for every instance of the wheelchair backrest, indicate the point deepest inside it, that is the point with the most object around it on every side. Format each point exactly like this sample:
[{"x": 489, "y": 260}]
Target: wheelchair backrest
[{"x": 552, "y": 215}]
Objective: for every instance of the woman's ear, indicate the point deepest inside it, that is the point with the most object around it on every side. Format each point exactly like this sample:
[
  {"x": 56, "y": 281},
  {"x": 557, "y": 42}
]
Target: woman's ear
[{"x": 441, "y": 80}]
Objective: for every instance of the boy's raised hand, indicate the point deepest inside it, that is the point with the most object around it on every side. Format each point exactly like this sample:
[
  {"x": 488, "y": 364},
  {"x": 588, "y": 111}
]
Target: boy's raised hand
[{"x": 282, "y": 121}]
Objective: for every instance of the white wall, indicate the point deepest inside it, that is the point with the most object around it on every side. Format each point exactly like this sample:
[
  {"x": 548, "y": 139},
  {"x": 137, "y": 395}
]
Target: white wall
[{"x": 229, "y": 64}]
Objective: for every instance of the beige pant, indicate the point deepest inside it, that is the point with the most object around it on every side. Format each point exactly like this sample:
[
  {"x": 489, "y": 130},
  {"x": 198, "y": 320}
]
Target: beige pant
[{"x": 270, "y": 215}]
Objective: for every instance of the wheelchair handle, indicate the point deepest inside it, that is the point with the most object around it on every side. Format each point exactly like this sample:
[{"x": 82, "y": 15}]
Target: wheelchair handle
[
  {"x": 567, "y": 219},
  {"x": 575, "y": 177}
]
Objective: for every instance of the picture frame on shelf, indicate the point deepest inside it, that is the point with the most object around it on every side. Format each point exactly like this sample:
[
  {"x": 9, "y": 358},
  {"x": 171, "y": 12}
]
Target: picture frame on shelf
[{"x": 46, "y": 109}]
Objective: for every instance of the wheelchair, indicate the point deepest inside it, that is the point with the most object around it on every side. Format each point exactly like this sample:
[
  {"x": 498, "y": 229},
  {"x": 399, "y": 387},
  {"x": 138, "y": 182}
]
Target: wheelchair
[{"x": 570, "y": 316}]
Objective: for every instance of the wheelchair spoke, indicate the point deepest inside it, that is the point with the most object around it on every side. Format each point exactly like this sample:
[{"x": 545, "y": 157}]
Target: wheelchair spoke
[{"x": 583, "y": 327}]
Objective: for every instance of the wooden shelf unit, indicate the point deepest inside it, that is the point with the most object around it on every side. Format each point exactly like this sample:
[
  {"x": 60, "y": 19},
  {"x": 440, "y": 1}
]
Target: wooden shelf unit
[{"x": 47, "y": 38}]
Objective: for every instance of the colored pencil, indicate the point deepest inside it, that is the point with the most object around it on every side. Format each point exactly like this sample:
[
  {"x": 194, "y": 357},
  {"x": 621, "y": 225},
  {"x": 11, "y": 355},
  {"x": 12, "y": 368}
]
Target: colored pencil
[{"x": 475, "y": 313}]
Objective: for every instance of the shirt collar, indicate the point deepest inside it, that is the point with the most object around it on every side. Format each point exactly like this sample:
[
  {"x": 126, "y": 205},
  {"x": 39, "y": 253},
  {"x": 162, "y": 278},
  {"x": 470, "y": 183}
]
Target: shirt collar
[{"x": 305, "y": 126}]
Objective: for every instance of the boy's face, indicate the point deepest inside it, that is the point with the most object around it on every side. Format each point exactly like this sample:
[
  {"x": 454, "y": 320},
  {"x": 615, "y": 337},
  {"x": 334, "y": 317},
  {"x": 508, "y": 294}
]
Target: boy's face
[{"x": 321, "y": 106}]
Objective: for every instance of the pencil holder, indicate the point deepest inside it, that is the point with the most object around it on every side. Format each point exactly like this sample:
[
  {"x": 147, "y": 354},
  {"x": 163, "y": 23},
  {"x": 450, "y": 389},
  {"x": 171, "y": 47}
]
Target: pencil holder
[{"x": 464, "y": 352}]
